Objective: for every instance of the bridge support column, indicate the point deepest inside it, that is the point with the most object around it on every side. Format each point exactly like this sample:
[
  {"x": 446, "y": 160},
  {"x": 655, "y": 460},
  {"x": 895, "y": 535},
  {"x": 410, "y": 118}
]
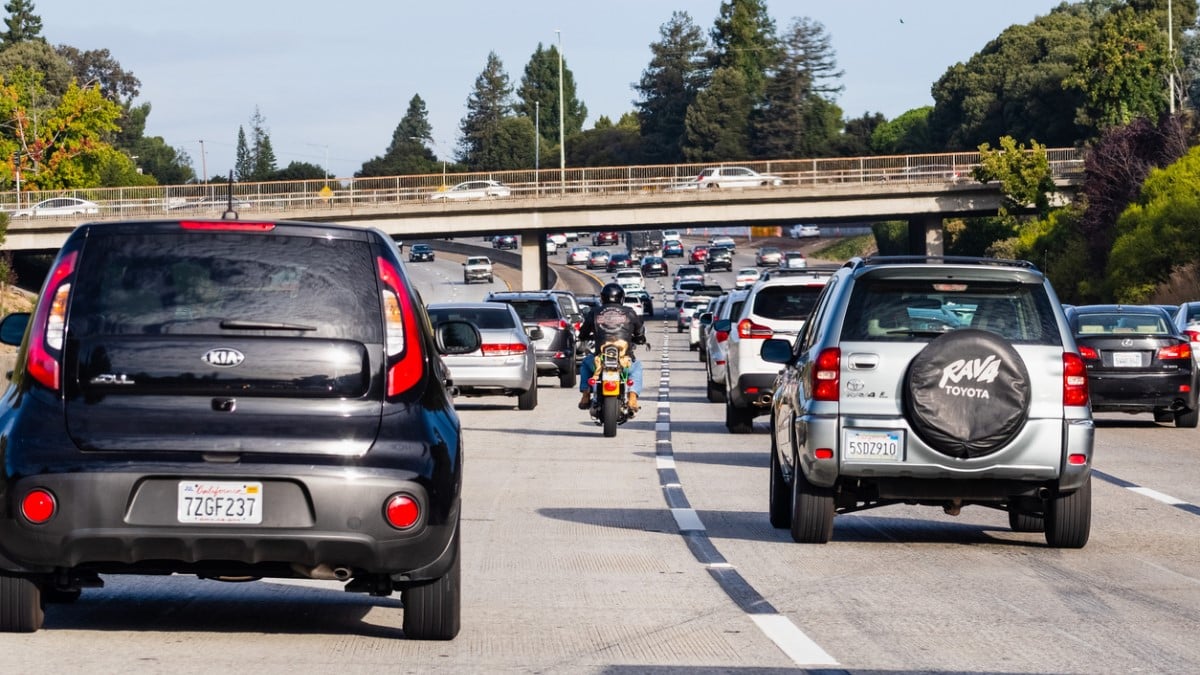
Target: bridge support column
[
  {"x": 925, "y": 235},
  {"x": 534, "y": 266}
]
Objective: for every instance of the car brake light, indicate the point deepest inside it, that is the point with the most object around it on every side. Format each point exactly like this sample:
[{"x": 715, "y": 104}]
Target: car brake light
[
  {"x": 1192, "y": 335},
  {"x": 1088, "y": 353},
  {"x": 504, "y": 349},
  {"x": 1075, "y": 387},
  {"x": 402, "y": 342},
  {"x": 226, "y": 225},
  {"x": 1171, "y": 352},
  {"x": 401, "y": 511},
  {"x": 49, "y": 325},
  {"x": 826, "y": 375},
  {"x": 747, "y": 329},
  {"x": 722, "y": 335},
  {"x": 38, "y": 506}
]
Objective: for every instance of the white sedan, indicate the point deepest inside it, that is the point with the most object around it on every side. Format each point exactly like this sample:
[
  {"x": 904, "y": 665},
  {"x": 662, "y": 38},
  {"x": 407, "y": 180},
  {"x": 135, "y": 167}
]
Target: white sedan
[
  {"x": 731, "y": 177},
  {"x": 474, "y": 189},
  {"x": 59, "y": 206},
  {"x": 746, "y": 277}
]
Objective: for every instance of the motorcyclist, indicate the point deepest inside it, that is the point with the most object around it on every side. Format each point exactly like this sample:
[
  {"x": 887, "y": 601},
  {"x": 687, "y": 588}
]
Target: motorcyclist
[{"x": 612, "y": 320}]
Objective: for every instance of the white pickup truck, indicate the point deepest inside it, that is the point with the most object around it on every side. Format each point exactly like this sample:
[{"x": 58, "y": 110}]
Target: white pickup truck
[{"x": 477, "y": 268}]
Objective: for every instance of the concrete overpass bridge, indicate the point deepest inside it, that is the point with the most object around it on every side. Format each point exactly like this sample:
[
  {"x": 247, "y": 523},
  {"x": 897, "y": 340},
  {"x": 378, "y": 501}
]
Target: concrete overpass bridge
[{"x": 922, "y": 190}]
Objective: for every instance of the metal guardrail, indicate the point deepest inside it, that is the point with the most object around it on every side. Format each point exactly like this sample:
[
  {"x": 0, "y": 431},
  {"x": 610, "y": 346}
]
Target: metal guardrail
[{"x": 307, "y": 196}]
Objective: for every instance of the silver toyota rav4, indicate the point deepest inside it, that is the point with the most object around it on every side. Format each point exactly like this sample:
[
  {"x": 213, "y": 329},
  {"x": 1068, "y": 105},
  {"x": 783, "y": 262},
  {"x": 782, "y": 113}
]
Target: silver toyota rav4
[{"x": 936, "y": 381}]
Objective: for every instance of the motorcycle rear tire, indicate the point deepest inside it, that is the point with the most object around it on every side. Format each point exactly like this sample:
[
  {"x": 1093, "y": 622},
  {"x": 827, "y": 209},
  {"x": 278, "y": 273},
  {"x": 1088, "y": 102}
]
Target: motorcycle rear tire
[{"x": 609, "y": 409}]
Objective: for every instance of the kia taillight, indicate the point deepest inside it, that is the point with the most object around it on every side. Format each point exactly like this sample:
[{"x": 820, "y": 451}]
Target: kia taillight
[
  {"x": 405, "y": 362},
  {"x": 747, "y": 329},
  {"x": 1174, "y": 352},
  {"x": 50, "y": 324},
  {"x": 503, "y": 349},
  {"x": 1075, "y": 388},
  {"x": 826, "y": 375}
]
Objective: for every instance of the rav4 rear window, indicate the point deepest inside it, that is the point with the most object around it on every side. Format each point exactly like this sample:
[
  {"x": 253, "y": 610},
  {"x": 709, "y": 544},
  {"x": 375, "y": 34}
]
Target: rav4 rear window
[
  {"x": 227, "y": 283},
  {"x": 894, "y": 309}
]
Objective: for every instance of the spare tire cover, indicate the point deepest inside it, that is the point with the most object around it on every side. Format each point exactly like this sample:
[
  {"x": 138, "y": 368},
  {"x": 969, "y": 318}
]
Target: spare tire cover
[{"x": 967, "y": 393}]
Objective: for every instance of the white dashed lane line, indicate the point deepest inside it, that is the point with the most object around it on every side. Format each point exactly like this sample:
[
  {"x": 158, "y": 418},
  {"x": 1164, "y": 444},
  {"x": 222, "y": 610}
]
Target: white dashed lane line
[
  {"x": 776, "y": 627},
  {"x": 1148, "y": 492}
]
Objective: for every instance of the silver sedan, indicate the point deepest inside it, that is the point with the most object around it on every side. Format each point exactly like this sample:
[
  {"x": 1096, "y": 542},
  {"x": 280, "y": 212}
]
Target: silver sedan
[{"x": 504, "y": 365}]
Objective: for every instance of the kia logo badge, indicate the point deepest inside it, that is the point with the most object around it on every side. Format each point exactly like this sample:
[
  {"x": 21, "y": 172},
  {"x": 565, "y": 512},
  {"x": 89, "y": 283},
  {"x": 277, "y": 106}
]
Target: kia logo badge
[{"x": 224, "y": 358}]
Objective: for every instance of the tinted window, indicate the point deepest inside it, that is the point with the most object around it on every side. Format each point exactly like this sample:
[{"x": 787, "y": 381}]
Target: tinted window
[
  {"x": 190, "y": 283},
  {"x": 892, "y": 309},
  {"x": 533, "y": 311},
  {"x": 786, "y": 303},
  {"x": 1119, "y": 323},
  {"x": 484, "y": 318}
]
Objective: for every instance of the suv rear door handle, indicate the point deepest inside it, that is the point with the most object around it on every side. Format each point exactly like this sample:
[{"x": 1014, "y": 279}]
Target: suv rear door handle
[{"x": 863, "y": 361}]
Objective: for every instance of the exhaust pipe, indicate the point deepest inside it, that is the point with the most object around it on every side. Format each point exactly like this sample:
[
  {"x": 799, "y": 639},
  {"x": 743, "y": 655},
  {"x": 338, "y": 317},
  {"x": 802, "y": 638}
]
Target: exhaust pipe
[
  {"x": 324, "y": 572},
  {"x": 452, "y": 391},
  {"x": 764, "y": 400}
]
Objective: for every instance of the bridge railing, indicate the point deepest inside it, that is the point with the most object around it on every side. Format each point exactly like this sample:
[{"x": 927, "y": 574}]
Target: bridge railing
[{"x": 306, "y": 196}]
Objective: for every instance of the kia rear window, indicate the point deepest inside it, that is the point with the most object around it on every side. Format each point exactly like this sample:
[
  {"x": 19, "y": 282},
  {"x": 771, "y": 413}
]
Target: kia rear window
[{"x": 227, "y": 284}]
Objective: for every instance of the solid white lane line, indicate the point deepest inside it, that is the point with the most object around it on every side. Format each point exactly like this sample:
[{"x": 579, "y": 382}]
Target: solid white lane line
[{"x": 1157, "y": 496}]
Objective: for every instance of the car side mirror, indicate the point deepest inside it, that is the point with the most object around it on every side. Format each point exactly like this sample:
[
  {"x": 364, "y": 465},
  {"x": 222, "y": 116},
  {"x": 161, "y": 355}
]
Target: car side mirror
[
  {"x": 706, "y": 319},
  {"x": 775, "y": 350},
  {"x": 534, "y": 332},
  {"x": 457, "y": 337},
  {"x": 12, "y": 328},
  {"x": 723, "y": 326}
]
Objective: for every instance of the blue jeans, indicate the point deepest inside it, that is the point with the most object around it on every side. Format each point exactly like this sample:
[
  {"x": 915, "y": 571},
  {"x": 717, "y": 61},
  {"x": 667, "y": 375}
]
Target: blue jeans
[{"x": 587, "y": 367}]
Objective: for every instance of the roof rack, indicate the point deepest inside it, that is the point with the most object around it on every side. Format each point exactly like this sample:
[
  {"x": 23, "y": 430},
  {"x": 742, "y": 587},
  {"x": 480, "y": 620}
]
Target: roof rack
[
  {"x": 939, "y": 259},
  {"x": 811, "y": 271}
]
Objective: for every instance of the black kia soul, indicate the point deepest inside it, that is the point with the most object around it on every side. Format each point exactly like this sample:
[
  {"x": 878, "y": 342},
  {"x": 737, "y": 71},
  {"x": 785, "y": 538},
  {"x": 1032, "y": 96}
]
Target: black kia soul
[{"x": 232, "y": 400}]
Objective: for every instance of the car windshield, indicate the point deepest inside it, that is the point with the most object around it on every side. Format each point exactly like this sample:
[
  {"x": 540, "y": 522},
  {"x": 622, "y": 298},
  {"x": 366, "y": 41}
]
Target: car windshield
[
  {"x": 895, "y": 309},
  {"x": 1119, "y": 323}
]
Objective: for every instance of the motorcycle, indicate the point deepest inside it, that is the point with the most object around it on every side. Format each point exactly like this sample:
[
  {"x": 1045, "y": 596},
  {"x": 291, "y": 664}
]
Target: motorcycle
[{"x": 610, "y": 383}]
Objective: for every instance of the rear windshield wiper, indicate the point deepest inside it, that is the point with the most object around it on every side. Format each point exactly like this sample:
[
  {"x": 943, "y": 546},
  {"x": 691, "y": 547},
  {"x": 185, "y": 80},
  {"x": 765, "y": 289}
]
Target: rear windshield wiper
[{"x": 242, "y": 324}]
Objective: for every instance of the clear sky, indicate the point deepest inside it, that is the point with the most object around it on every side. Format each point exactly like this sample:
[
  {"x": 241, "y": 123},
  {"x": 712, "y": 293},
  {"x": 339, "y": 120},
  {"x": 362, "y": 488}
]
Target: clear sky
[{"x": 333, "y": 79}]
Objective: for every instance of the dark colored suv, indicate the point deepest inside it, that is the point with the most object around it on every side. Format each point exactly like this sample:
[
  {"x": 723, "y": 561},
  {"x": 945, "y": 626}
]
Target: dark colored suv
[
  {"x": 231, "y": 400},
  {"x": 556, "y": 348}
]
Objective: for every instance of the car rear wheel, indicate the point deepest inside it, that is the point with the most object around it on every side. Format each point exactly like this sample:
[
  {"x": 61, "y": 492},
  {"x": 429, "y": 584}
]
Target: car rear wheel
[
  {"x": 1187, "y": 420},
  {"x": 1069, "y": 517},
  {"x": 433, "y": 610},
  {"x": 566, "y": 379},
  {"x": 715, "y": 392},
  {"x": 780, "y": 507},
  {"x": 1023, "y": 522},
  {"x": 528, "y": 398},
  {"x": 737, "y": 420},
  {"x": 812, "y": 510},
  {"x": 20, "y": 605}
]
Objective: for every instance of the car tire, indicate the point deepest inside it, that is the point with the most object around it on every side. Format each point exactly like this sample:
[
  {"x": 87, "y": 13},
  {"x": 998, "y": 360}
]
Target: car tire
[
  {"x": 527, "y": 400},
  {"x": 1023, "y": 522},
  {"x": 566, "y": 379},
  {"x": 20, "y": 605},
  {"x": 737, "y": 420},
  {"x": 715, "y": 392},
  {"x": 1187, "y": 420},
  {"x": 433, "y": 610},
  {"x": 1069, "y": 517},
  {"x": 779, "y": 494},
  {"x": 981, "y": 411},
  {"x": 812, "y": 510},
  {"x": 491, "y": 279},
  {"x": 693, "y": 347},
  {"x": 466, "y": 280}
]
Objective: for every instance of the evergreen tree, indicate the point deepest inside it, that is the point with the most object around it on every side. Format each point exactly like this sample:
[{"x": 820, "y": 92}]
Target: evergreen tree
[
  {"x": 23, "y": 25},
  {"x": 243, "y": 163},
  {"x": 540, "y": 85},
  {"x": 408, "y": 152},
  {"x": 264, "y": 159},
  {"x": 716, "y": 122},
  {"x": 261, "y": 156},
  {"x": 743, "y": 37},
  {"x": 487, "y": 106},
  {"x": 669, "y": 85}
]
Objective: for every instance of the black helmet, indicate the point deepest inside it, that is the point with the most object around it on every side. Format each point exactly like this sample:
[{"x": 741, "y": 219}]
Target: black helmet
[{"x": 612, "y": 294}]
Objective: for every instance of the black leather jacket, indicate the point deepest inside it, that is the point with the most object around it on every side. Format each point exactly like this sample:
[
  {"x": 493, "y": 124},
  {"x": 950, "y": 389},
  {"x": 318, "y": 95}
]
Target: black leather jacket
[{"x": 614, "y": 322}]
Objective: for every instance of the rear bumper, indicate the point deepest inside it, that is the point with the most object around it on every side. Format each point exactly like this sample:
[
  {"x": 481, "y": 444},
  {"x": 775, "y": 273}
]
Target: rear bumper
[
  {"x": 753, "y": 390},
  {"x": 126, "y": 521},
  {"x": 1140, "y": 392}
]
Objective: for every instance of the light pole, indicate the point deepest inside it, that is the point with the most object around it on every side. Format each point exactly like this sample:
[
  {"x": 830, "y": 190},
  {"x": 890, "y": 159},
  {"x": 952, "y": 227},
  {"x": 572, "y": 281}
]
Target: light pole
[
  {"x": 1171, "y": 55},
  {"x": 562, "y": 148},
  {"x": 203, "y": 160},
  {"x": 537, "y": 142}
]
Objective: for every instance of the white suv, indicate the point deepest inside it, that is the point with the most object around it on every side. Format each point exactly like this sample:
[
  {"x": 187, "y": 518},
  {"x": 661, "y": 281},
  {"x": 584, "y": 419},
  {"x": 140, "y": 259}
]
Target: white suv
[{"x": 775, "y": 308}]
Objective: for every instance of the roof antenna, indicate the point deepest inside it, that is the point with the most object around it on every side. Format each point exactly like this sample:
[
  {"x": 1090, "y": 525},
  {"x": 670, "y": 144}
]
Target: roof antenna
[{"x": 230, "y": 213}]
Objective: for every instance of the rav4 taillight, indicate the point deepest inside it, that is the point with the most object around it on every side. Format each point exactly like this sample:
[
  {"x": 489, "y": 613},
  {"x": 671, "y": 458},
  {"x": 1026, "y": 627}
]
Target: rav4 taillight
[
  {"x": 826, "y": 375},
  {"x": 747, "y": 329},
  {"x": 402, "y": 341},
  {"x": 50, "y": 325},
  {"x": 1075, "y": 388},
  {"x": 1173, "y": 352}
]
